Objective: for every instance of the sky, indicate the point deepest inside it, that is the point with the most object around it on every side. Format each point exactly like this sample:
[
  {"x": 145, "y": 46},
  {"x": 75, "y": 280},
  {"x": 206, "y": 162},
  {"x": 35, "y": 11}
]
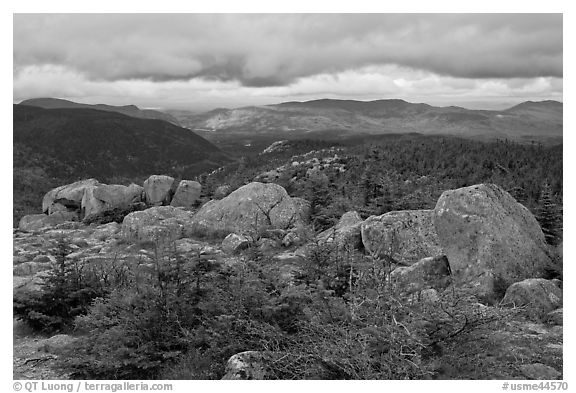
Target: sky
[{"x": 204, "y": 61}]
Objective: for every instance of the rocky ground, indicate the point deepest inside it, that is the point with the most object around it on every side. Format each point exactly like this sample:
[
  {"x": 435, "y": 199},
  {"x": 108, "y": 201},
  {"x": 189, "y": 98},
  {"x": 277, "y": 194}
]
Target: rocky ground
[{"x": 457, "y": 239}]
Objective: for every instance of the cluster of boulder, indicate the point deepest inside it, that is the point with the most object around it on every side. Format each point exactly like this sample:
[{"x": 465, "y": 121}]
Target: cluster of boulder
[
  {"x": 86, "y": 199},
  {"x": 479, "y": 236},
  {"x": 312, "y": 168}
]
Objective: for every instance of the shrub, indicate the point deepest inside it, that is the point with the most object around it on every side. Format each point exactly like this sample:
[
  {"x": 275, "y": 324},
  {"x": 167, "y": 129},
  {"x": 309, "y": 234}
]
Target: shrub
[{"x": 66, "y": 293}]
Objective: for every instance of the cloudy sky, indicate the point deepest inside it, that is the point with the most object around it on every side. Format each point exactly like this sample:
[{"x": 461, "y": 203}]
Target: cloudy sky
[{"x": 203, "y": 61}]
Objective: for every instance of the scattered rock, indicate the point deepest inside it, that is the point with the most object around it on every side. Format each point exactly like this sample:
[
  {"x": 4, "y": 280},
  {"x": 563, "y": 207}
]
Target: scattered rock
[
  {"x": 540, "y": 295},
  {"x": 431, "y": 272},
  {"x": 234, "y": 243},
  {"x": 187, "y": 194},
  {"x": 405, "y": 236},
  {"x": 487, "y": 235},
  {"x": 539, "y": 371},
  {"x": 158, "y": 190}
]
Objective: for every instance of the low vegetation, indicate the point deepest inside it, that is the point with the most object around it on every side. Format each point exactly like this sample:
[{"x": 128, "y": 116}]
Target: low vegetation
[{"x": 183, "y": 316}]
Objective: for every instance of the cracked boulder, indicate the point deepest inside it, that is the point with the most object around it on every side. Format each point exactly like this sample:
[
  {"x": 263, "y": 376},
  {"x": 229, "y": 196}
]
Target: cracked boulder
[
  {"x": 490, "y": 239},
  {"x": 67, "y": 197},
  {"x": 250, "y": 210},
  {"x": 106, "y": 197}
]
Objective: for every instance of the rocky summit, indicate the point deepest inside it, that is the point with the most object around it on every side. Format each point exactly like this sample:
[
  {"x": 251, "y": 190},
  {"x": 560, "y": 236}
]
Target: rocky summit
[{"x": 475, "y": 239}]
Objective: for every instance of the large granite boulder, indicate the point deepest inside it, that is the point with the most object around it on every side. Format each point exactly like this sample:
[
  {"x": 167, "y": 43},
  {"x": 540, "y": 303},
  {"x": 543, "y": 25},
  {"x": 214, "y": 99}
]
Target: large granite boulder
[
  {"x": 159, "y": 224},
  {"x": 104, "y": 197},
  {"x": 37, "y": 222},
  {"x": 67, "y": 197},
  {"x": 405, "y": 236},
  {"x": 489, "y": 238},
  {"x": 249, "y": 210},
  {"x": 158, "y": 190},
  {"x": 427, "y": 273},
  {"x": 539, "y": 295},
  {"x": 346, "y": 233},
  {"x": 187, "y": 193}
]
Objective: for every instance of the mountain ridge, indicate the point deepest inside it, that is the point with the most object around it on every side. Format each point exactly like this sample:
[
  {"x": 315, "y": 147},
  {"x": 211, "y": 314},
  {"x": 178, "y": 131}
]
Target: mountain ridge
[
  {"x": 129, "y": 110},
  {"x": 540, "y": 120}
]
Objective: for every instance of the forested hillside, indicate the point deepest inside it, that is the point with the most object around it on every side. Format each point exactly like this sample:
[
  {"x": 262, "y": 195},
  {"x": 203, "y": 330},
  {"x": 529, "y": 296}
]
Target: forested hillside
[
  {"x": 57, "y": 146},
  {"x": 399, "y": 172}
]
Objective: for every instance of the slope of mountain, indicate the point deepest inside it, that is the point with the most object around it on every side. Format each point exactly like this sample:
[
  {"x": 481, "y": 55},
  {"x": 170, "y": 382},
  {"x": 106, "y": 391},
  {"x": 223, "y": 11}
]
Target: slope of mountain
[
  {"x": 58, "y": 146},
  {"x": 103, "y": 144},
  {"x": 530, "y": 120},
  {"x": 129, "y": 110}
]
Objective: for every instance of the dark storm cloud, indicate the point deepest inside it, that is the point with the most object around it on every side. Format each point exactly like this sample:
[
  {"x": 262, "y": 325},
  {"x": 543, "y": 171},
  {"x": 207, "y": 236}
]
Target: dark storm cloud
[{"x": 276, "y": 50}]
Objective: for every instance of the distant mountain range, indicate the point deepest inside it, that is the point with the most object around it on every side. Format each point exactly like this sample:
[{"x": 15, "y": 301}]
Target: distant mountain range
[
  {"x": 129, "y": 110},
  {"x": 529, "y": 120},
  {"x": 102, "y": 144}
]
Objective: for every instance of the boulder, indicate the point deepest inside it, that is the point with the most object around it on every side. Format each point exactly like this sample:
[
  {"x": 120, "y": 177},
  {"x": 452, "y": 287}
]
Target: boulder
[
  {"x": 105, "y": 197},
  {"x": 160, "y": 224},
  {"x": 234, "y": 243},
  {"x": 249, "y": 210},
  {"x": 249, "y": 365},
  {"x": 539, "y": 371},
  {"x": 428, "y": 273},
  {"x": 70, "y": 196},
  {"x": 346, "y": 233},
  {"x": 489, "y": 238},
  {"x": 405, "y": 236},
  {"x": 158, "y": 190},
  {"x": 37, "y": 222},
  {"x": 186, "y": 194},
  {"x": 539, "y": 295}
]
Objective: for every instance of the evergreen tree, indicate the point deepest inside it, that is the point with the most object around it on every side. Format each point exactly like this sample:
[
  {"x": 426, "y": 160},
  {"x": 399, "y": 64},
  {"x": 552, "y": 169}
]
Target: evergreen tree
[{"x": 549, "y": 215}]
